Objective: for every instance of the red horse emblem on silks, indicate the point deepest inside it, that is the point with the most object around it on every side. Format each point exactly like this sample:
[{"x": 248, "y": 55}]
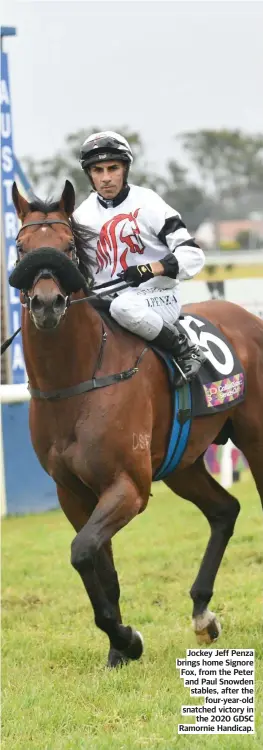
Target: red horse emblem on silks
[{"x": 108, "y": 245}]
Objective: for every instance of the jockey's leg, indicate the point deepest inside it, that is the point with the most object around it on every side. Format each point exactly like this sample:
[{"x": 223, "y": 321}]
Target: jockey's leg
[
  {"x": 152, "y": 313},
  {"x": 187, "y": 354}
]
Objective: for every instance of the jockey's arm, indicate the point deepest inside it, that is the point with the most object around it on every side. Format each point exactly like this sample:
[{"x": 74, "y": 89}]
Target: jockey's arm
[{"x": 171, "y": 230}]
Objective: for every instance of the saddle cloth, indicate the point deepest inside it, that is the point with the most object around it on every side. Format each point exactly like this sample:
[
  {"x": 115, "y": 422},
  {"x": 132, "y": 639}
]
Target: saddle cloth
[{"x": 219, "y": 385}]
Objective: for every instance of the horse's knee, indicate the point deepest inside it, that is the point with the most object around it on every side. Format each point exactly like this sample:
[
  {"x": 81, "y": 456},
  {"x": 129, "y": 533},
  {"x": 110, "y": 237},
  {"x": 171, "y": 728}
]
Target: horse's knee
[
  {"x": 224, "y": 519},
  {"x": 83, "y": 553}
]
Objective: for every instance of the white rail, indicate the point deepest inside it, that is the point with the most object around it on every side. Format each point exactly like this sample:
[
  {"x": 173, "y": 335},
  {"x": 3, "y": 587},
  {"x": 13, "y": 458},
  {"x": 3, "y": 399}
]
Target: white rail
[{"x": 13, "y": 394}]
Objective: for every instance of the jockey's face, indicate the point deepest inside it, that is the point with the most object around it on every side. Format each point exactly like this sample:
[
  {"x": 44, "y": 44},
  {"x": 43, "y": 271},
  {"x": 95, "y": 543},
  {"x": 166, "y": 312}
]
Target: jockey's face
[{"x": 108, "y": 178}]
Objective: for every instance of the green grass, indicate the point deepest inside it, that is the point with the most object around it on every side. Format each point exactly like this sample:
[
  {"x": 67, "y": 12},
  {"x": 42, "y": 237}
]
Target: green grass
[{"x": 57, "y": 694}]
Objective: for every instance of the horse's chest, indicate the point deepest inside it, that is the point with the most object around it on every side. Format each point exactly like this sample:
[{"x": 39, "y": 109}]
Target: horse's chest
[
  {"x": 52, "y": 457},
  {"x": 67, "y": 459}
]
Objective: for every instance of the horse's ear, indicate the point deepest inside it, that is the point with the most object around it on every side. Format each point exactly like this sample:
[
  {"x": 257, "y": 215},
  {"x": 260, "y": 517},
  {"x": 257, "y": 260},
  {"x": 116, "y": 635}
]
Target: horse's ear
[
  {"x": 21, "y": 204},
  {"x": 67, "y": 200}
]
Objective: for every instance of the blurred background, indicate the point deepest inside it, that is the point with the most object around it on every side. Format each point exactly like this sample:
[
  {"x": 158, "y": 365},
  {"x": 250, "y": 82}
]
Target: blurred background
[{"x": 183, "y": 82}]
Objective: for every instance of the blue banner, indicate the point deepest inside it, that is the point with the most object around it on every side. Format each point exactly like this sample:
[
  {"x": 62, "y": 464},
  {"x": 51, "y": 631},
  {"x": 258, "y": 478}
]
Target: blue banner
[{"x": 10, "y": 224}]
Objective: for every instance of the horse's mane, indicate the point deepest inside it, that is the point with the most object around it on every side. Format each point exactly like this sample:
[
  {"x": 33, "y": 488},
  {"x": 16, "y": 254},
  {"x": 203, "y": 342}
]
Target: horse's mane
[{"x": 81, "y": 233}]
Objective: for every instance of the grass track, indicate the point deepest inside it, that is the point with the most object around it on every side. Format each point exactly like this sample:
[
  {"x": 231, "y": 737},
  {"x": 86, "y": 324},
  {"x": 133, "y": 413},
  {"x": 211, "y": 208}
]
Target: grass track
[{"x": 57, "y": 694}]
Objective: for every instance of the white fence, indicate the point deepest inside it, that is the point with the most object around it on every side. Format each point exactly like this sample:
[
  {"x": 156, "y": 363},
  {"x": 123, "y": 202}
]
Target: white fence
[{"x": 13, "y": 394}]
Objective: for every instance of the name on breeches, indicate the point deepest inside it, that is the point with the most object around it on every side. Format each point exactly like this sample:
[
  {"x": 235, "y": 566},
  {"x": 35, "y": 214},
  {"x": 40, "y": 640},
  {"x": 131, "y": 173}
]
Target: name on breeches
[{"x": 166, "y": 299}]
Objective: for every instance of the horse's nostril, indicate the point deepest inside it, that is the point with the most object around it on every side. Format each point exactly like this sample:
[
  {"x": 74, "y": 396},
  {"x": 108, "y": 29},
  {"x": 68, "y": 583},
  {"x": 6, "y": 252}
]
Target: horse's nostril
[
  {"x": 59, "y": 302},
  {"x": 48, "y": 307},
  {"x": 37, "y": 304}
]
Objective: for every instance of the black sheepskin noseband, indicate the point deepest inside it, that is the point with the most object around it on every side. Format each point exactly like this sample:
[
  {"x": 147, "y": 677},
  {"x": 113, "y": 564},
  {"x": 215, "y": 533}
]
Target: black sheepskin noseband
[{"x": 48, "y": 259}]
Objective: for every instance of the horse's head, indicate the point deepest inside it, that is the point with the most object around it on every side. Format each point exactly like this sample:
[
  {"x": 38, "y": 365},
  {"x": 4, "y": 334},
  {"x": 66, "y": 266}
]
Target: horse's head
[{"x": 46, "y": 271}]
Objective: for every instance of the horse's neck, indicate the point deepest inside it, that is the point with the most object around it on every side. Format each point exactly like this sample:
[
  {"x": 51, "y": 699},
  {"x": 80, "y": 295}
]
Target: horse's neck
[{"x": 67, "y": 355}]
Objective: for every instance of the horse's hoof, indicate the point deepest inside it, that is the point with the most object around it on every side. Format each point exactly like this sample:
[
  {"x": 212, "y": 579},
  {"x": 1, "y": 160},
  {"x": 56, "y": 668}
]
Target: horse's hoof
[
  {"x": 116, "y": 658},
  {"x": 135, "y": 648},
  {"x": 207, "y": 628}
]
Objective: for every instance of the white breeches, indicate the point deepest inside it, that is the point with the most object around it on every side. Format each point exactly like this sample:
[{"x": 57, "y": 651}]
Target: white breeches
[{"x": 144, "y": 309}]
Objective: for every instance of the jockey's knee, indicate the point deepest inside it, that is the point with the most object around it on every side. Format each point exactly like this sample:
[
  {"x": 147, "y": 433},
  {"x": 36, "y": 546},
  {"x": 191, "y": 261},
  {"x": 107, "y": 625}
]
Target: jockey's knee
[
  {"x": 136, "y": 316},
  {"x": 128, "y": 312}
]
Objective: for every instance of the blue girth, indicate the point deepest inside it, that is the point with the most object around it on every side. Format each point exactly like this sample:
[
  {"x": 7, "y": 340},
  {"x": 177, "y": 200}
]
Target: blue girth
[{"x": 181, "y": 422}]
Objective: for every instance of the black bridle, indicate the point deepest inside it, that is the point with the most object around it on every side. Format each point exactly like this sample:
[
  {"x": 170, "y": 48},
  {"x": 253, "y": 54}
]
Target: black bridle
[
  {"x": 19, "y": 250},
  {"x": 87, "y": 385},
  {"x": 40, "y": 223}
]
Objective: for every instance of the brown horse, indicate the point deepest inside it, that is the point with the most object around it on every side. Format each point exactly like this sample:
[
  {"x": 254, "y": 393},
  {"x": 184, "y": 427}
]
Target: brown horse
[{"x": 102, "y": 446}]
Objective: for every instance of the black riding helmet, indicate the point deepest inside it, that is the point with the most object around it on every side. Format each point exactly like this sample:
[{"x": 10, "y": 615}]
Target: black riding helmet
[{"x": 104, "y": 147}]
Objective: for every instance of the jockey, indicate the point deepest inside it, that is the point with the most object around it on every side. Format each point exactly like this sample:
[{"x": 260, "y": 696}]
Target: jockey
[{"x": 141, "y": 240}]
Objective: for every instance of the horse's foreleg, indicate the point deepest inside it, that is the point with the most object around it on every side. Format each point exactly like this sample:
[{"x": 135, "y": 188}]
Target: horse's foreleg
[
  {"x": 107, "y": 574},
  {"x": 116, "y": 507},
  {"x": 221, "y": 510},
  {"x": 78, "y": 513}
]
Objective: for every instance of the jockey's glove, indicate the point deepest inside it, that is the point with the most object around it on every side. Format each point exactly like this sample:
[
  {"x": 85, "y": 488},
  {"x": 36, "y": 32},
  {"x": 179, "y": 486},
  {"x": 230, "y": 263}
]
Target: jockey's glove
[{"x": 136, "y": 275}]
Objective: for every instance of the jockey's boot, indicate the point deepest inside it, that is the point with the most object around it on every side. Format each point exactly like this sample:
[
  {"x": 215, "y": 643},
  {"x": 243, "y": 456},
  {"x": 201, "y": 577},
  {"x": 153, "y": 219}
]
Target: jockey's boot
[{"x": 188, "y": 356}]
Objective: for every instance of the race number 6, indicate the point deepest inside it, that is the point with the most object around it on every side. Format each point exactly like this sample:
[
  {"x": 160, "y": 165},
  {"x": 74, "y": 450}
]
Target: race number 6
[{"x": 203, "y": 339}]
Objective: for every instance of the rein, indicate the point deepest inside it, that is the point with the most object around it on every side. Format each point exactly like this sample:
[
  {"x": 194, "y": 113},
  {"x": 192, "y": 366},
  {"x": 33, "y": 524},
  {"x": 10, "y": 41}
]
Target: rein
[{"x": 94, "y": 383}]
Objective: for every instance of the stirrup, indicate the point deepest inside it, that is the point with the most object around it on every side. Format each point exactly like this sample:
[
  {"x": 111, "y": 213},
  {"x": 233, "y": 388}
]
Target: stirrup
[
  {"x": 183, "y": 380},
  {"x": 193, "y": 365}
]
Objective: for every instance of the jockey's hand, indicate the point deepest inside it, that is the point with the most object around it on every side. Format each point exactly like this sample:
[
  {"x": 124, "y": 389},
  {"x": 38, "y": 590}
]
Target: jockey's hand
[{"x": 136, "y": 275}]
